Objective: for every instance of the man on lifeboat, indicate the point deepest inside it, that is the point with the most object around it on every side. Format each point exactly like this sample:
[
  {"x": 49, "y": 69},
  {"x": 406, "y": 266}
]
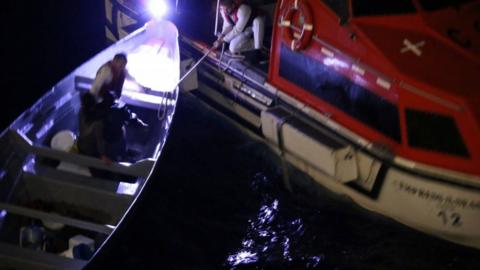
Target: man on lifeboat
[{"x": 243, "y": 28}]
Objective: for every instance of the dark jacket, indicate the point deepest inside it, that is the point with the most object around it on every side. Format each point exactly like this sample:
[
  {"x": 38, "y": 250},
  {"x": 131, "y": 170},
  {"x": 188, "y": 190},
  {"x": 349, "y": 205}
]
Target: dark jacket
[{"x": 91, "y": 140}]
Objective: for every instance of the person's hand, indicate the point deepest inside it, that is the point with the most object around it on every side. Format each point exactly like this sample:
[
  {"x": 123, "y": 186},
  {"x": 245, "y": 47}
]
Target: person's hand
[
  {"x": 144, "y": 126},
  {"x": 217, "y": 43},
  {"x": 145, "y": 89}
]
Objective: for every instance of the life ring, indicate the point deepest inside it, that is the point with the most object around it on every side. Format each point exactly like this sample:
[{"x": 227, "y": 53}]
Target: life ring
[{"x": 302, "y": 41}]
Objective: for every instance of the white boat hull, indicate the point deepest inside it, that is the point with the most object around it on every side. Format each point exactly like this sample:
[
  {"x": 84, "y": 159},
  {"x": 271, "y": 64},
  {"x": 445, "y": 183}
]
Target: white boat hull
[{"x": 443, "y": 208}]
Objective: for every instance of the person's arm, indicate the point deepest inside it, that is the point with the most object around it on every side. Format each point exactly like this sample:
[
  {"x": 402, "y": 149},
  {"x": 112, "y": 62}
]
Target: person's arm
[
  {"x": 129, "y": 77},
  {"x": 131, "y": 118},
  {"x": 227, "y": 26},
  {"x": 243, "y": 14},
  {"x": 104, "y": 75}
]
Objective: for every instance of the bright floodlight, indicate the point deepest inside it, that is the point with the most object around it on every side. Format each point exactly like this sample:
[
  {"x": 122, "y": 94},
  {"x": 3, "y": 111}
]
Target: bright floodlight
[{"x": 158, "y": 8}]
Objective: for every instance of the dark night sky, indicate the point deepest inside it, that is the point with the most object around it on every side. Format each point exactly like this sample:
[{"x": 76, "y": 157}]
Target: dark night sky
[{"x": 42, "y": 41}]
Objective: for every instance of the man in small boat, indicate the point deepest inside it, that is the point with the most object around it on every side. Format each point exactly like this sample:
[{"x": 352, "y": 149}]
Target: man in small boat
[
  {"x": 116, "y": 118},
  {"x": 102, "y": 128},
  {"x": 91, "y": 139},
  {"x": 243, "y": 28},
  {"x": 111, "y": 77}
]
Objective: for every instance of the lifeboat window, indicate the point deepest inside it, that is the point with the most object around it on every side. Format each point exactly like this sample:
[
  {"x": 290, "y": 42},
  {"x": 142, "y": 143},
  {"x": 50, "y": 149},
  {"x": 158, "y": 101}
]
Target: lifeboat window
[
  {"x": 340, "y": 7},
  {"x": 332, "y": 87},
  {"x": 431, "y": 5},
  {"x": 382, "y": 7},
  {"x": 434, "y": 132}
]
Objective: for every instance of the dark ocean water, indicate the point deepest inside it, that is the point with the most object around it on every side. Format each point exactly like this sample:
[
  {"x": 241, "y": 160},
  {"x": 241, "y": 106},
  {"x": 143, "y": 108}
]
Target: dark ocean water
[
  {"x": 217, "y": 199},
  {"x": 42, "y": 42}
]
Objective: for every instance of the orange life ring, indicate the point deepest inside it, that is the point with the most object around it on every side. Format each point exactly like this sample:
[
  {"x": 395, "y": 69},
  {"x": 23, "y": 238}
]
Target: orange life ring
[{"x": 300, "y": 42}]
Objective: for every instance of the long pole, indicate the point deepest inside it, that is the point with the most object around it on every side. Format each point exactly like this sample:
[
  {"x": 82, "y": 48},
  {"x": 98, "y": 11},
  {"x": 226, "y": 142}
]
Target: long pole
[
  {"x": 195, "y": 66},
  {"x": 162, "y": 112},
  {"x": 216, "y": 18}
]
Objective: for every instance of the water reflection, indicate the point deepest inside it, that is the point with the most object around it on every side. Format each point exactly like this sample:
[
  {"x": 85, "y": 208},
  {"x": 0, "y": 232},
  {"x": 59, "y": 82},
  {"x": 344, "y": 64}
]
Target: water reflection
[
  {"x": 242, "y": 257},
  {"x": 271, "y": 236}
]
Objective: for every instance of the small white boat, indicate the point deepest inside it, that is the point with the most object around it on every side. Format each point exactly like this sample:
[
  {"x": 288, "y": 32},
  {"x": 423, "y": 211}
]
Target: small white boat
[{"x": 53, "y": 213}]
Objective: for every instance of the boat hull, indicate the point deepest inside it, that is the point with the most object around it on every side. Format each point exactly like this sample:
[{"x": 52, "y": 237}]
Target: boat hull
[
  {"x": 434, "y": 201},
  {"x": 433, "y": 205}
]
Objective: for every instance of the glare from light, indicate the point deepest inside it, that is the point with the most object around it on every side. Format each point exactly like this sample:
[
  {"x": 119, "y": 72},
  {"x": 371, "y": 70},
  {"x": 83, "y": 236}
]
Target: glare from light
[
  {"x": 147, "y": 98},
  {"x": 127, "y": 188},
  {"x": 243, "y": 257},
  {"x": 152, "y": 67},
  {"x": 46, "y": 127},
  {"x": 330, "y": 61},
  {"x": 158, "y": 8}
]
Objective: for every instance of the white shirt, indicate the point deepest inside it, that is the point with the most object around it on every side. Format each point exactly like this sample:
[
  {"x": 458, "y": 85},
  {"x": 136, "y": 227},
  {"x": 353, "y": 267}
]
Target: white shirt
[
  {"x": 105, "y": 76},
  {"x": 243, "y": 15}
]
